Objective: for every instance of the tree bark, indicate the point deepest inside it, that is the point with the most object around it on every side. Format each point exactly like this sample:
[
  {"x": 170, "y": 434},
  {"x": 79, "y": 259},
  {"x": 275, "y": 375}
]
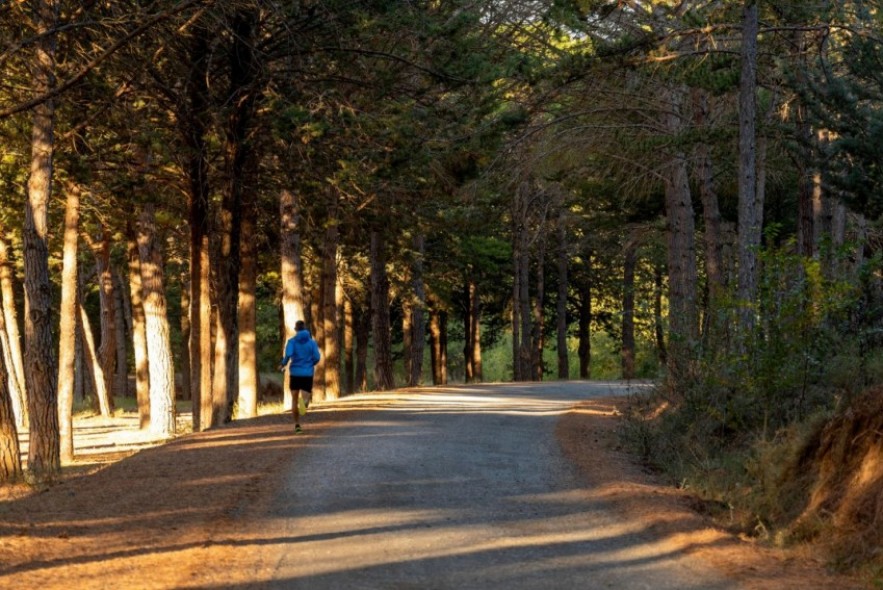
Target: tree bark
[
  {"x": 383, "y": 375},
  {"x": 16, "y": 369},
  {"x": 96, "y": 371},
  {"x": 330, "y": 286},
  {"x": 468, "y": 340},
  {"x": 539, "y": 331},
  {"x": 121, "y": 376},
  {"x": 349, "y": 367},
  {"x": 161, "y": 367},
  {"x": 584, "y": 348},
  {"x": 139, "y": 329},
  {"x": 248, "y": 275},
  {"x": 67, "y": 331},
  {"x": 628, "y": 309},
  {"x": 292, "y": 272},
  {"x": 561, "y": 303},
  {"x": 10, "y": 454},
  {"x": 418, "y": 311},
  {"x": 194, "y": 126},
  {"x": 683, "y": 314},
  {"x": 41, "y": 372},
  {"x": 713, "y": 235},
  {"x": 107, "y": 346},
  {"x": 750, "y": 208},
  {"x": 362, "y": 328},
  {"x": 184, "y": 354},
  {"x": 437, "y": 353},
  {"x": 475, "y": 332}
]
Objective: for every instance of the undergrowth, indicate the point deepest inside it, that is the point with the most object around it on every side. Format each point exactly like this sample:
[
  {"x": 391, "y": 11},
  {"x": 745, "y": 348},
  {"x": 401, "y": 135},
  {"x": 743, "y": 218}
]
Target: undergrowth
[{"x": 781, "y": 438}]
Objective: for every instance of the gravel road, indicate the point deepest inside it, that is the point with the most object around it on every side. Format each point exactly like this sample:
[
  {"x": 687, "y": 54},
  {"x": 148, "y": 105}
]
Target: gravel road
[{"x": 462, "y": 487}]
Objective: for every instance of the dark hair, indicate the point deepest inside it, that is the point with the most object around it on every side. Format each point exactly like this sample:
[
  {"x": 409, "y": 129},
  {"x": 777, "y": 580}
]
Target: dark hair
[{"x": 299, "y": 325}]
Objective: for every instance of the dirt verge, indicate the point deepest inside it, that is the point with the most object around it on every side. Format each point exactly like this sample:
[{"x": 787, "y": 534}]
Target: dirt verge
[{"x": 588, "y": 436}]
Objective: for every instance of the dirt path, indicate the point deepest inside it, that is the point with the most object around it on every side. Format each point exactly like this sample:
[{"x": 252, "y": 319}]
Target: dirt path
[{"x": 226, "y": 509}]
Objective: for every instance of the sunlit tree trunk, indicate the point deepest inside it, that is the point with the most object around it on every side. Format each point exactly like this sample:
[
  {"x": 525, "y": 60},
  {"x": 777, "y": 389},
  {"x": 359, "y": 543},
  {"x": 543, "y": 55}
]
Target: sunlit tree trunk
[
  {"x": 292, "y": 272},
  {"x": 383, "y": 376},
  {"x": 437, "y": 345},
  {"x": 362, "y": 326},
  {"x": 418, "y": 313},
  {"x": 96, "y": 371},
  {"x": 161, "y": 367},
  {"x": 67, "y": 331},
  {"x": 468, "y": 340},
  {"x": 106, "y": 348},
  {"x": 349, "y": 367},
  {"x": 475, "y": 332},
  {"x": 248, "y": 361},
  {"x": 184, "y": 353},
  {"x": 139, "y": 330},
  {"x": 331, "y": 343},
  {"x": 40, "y": 363},
  {"x": 10, "y": 454},
  {"x": 193, "y": 126},
  {"x": 15, "y": 362}
]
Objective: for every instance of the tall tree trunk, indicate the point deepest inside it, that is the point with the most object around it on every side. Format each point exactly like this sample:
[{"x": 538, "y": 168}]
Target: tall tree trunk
[
  {"x": 184, "y": 354},
  {"x": 658, "y": 325},
  {"x": 121, "y": 375},
  {"x": 438, "y": 352},
  {"x": 10, "y": 454},
  {"x": 516, "y": 311},
  {"x": 683, "y": 315},
  {"x": 524, "y": 312},
  {"x": 383, "y": 376},
  {"x": 468, "y": 340},
  {"x": 628, "y": 309},
  {"x": 750, "y": 209},
  {"x": 41, "y": 372},
  {"x": 713, "y": 235},
  {"x": 67, "y": 331},
  {"x": 539, "y": 330},
  {"x": 7, "y": 302},
  {"x": 330, "y": 286},
  {"x": 107, "y": 346},
  {"x": 194, "y": 125},
  {"x": 139, "y": 329},
  {"x": 418, "y": 323},
  {"x": 96, "y": 371},
  {"x": 561, "y": 303},
  {"x": 292, "y": 272},
  {"x": 248, "y": 359},
  {"x": 584, "y": 348},
  {"x": 362, "y": 328},
  {"x": 161, "y": 367},
  {"x": 475, "y": 332},
  {"x": 349, "y": 367},
  {"x": 15, "y": 399}
]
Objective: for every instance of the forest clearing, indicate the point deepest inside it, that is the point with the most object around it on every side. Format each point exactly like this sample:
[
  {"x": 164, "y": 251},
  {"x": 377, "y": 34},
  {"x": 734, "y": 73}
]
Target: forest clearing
[{"x": 453, "y": 193}]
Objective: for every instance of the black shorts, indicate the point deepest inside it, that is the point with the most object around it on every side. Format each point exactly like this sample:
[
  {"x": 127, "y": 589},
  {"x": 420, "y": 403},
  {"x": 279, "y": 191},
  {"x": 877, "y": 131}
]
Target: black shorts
[{"x": 296, "y": 382}]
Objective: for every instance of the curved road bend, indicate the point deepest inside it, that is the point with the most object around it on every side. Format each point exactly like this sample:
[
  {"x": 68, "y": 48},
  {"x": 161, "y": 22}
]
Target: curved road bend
[{"x": 460, "y": 488}]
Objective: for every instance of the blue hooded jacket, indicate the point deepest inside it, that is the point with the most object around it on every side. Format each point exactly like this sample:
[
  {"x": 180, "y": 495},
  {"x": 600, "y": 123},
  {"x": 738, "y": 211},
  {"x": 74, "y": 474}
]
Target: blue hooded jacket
[{"x": 303, "y": 352}]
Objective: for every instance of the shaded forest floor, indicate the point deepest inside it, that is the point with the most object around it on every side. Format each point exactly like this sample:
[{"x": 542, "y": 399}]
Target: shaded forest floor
[{"x": 131, "y": 513}]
